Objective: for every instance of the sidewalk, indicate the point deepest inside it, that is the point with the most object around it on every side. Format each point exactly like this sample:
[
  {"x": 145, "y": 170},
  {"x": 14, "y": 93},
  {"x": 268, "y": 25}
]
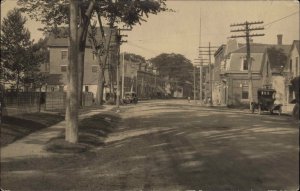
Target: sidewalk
[{"x": 33, "y": 144}]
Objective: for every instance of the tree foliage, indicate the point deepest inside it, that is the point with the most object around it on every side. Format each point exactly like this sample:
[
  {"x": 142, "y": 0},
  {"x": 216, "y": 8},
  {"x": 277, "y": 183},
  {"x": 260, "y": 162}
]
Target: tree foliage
[
  {"x": 55, "y": 12},
  {"x": 40, "y": 55},
  {"x": 134, "y": 58},
  {"x": 16, "y": 47},
  {"x": 174, "y": 66}
]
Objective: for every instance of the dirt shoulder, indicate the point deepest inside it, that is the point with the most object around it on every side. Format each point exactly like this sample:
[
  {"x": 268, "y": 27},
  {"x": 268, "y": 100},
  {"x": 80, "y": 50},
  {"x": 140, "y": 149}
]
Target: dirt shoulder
[{"x": 17, "y": 127}]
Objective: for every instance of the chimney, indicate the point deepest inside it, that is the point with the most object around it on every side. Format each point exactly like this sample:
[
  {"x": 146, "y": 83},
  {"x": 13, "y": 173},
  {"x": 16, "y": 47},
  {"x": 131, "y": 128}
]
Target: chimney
[{"x": 279, "y": 39}]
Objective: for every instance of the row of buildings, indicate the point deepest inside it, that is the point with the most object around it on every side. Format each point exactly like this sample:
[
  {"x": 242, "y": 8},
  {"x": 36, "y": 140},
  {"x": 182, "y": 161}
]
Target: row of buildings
[
  {"x": 136, "y": 75},
  {"x": 273, "y": 66}
]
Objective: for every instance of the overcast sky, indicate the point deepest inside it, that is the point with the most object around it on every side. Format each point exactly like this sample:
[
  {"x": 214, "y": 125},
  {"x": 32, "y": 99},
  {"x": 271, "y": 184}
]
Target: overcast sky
[{"x": 178, "y": 32}]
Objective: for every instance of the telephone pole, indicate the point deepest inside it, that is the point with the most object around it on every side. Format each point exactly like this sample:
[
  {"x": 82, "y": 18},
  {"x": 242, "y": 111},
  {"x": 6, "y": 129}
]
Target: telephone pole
[
  {"x": 194, "y": 83},
  {"x": 207, "y": 51},
  {"x": 201, "y": 62},
  {"x": 119, "y": 42},
  {"x": 247, "y": 28}
]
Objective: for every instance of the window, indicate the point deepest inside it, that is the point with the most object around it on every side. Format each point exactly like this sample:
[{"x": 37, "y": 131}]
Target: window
[
  {"x": 244, "y": 64},
  {"x": 94, "y": 69},
  {"x": 297, "y": 67},
  {"x": 245, "y": 92},
  {"x": 94, "y": 56},
  {"x": 291, "y": 65},
  {"x": 64, "y": 54},
  {"x": 61, "y": 88},
  {"x": 86, "y": 88},
  {"x": 290, "y": 93},
  {"x": 267, "y": 68},
  {"x": 63, "y": 68}
]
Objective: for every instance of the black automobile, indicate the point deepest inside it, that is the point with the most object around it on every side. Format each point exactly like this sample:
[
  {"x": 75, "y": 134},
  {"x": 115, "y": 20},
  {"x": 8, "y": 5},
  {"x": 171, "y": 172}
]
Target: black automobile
[
  {"x": 130, "y": 97},
  {"x": 266, "y": 101}
]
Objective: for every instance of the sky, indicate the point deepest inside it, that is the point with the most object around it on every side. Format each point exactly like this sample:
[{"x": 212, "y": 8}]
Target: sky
[{"x": 179, "y": 31}]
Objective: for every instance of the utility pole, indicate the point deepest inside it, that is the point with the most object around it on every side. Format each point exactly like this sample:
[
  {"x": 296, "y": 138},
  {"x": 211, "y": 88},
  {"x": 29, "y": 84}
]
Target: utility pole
[
  {"x": 210, "y": 74},
  {"x": 201, "y": 83},
  {"x": 123, "y": 74},
  {"x": 195, "y": 83},
  {"x": 247, "y": 35},
  {"x": 207, "y": 51},
  {"x": 200, "y": 62},
  {"x": 119, "y": 41}
]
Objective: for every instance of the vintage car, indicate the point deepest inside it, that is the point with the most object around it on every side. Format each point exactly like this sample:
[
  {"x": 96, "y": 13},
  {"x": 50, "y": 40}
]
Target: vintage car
[
  {"x": 130, "y": 97},
  {"x": 266, "y": 101}
]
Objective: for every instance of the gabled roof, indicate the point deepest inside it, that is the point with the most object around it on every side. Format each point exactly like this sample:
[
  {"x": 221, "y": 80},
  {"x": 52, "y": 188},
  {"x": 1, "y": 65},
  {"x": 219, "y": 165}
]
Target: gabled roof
[
  {"x": 260, "y": 48},
  {"x": 254, "y": 48},
  {"x": 296, "y": 43}
]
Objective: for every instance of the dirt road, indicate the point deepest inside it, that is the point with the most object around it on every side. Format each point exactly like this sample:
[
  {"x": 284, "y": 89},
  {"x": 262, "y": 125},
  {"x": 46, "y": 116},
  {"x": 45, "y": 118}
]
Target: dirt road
[{"x": 173, "y": 145}]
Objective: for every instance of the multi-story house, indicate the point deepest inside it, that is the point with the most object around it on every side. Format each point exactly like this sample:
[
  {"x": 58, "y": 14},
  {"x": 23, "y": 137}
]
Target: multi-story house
[
  {"x": 233, "y": 85},
  {"x": 293, "y": 66},
  {"x": 58, "y": 63},
  {"x": 234, "y": 72},
  {"x": 292, "y": 70},
  {"x": 221, "y": 66},
  {"x": 273, "y": 75}
]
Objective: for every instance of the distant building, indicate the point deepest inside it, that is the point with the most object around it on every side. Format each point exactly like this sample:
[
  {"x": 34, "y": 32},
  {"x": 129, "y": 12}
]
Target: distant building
[
  {"x": 142, "y": 78},
  {"x": 219, "y": 86},
  {"x": 230, "y": 85}
]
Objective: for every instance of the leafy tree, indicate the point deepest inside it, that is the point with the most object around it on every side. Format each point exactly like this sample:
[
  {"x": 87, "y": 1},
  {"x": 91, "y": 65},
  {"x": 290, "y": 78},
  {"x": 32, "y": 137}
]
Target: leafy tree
[
  {"x": 134, "y": 57},
  {"x": 174, "y": 66},
  {"x": 16, "y": 48},
  {"x": 40, "y": 55},
  {"x": 56, "y": 13}
]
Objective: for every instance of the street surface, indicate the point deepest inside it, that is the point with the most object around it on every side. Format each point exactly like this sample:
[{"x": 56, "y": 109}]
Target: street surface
[{"x": 174, "y": 145}]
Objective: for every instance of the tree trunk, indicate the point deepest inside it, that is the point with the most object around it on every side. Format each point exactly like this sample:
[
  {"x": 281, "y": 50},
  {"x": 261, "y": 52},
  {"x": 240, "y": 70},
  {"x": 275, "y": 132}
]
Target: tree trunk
[
  {"x": 100, "y": 87},
  {"x": 18, "y": 81},
  {"x": 72, "y": 93},
  {"x": 82, "y": 35},
  {"x": 80, "y": 73}
]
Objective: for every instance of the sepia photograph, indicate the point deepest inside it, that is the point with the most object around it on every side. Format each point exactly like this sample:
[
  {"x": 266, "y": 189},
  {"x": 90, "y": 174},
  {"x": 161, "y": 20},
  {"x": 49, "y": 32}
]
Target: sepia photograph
[{"x": 149, "y": 95}]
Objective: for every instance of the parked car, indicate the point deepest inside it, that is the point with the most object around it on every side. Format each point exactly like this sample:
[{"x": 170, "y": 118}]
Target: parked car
[
  {"x": 266, "y": 101},
  {"x": 130, "y": 97}
]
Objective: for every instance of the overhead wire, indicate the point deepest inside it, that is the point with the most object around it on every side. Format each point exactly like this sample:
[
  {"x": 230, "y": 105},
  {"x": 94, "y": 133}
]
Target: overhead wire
[{"x": 270, "y": 23}]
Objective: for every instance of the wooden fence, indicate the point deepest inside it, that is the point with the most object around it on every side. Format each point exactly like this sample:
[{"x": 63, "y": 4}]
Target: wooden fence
[{"x": 15, "y": 103}]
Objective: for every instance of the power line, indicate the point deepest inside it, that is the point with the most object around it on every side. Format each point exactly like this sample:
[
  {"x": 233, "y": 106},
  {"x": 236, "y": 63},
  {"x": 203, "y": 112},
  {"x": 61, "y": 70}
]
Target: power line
[
  {"x": 280, "y": 19},
  {"x": 140, "y": 47}
]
